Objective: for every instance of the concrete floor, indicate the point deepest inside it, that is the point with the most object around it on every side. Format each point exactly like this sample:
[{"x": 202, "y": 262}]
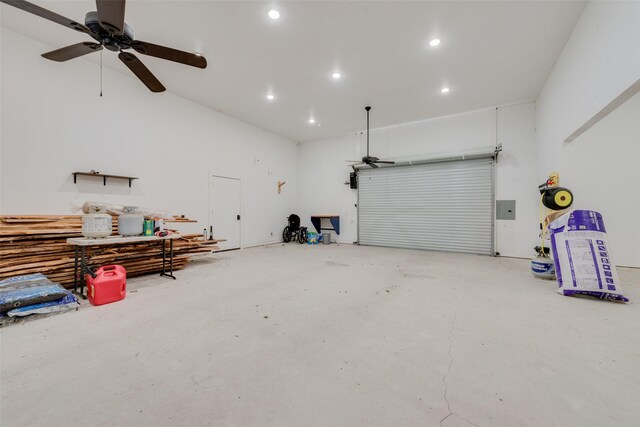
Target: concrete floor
[{"x": 301, "y": 335}]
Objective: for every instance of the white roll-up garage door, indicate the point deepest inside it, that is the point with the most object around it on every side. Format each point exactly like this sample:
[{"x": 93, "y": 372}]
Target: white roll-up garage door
[{"x": 436, "y": 206}]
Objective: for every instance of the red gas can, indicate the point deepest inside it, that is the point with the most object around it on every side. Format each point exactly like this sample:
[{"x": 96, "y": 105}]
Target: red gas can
[{"x": 109, "y": 285}]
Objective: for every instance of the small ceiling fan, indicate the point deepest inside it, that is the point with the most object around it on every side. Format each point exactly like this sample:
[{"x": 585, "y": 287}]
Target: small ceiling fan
[
  {"x": 107, "y": 27},
  {"x": 372, "y": 161}
]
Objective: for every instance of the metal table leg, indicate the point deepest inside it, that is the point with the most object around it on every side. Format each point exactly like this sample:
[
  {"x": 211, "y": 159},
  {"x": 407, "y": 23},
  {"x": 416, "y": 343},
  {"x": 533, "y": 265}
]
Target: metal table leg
[
  {"x": 75, "y": 268},
  {"x": 164, "y": 257},
  {"x": 83, "y": 268},
  {"x": 80, "y": 267},
  {"x": 164, "y": 260},
  {"x": 171, "y": 256}
]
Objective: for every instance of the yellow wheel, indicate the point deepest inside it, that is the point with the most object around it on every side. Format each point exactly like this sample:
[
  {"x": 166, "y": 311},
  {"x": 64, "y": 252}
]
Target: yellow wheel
[
  {"x": 563, "y": 198},
  {"x": 557, "y": 198}
]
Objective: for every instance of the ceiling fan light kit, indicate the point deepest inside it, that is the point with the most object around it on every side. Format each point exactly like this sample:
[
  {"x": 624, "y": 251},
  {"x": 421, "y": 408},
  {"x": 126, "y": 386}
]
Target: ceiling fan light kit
[{"x": 107, "y": 27}]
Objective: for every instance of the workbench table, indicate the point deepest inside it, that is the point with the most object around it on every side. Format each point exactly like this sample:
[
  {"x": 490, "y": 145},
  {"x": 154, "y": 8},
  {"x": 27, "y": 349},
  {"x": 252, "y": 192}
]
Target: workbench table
[
  {"x": 316, "y": 220},
  {"x": 80, "y": 263}
]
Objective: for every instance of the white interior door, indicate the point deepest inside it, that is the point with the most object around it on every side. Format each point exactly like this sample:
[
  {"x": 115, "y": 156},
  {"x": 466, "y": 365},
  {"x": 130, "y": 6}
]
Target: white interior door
[{"x": 225, "y": 211}]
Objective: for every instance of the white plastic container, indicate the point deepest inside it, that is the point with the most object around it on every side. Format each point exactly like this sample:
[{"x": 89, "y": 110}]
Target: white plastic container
[
  {"x": 130, "y": 222},
  {"x": 96, "y": 224},
  {"x": 543, "y": 267}
]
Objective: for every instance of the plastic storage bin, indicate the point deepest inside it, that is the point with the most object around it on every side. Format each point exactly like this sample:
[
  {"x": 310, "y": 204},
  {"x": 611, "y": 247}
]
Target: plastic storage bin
[{"x": 109, "y": 285}]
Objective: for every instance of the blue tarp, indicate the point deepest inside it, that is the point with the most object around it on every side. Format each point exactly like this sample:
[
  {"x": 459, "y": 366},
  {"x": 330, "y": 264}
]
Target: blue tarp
[
  {"x": 68, "y": 302},
  {"x": 28, "y": 290}
]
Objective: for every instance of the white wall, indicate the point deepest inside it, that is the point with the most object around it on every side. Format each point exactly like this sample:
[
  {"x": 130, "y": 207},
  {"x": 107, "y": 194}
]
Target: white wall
[
  {"x": 325, "y": 170},
  {"x": 54, "y": 123},
  {"x": 516, "y": 179},
  {"x": 600, "y": 60}
]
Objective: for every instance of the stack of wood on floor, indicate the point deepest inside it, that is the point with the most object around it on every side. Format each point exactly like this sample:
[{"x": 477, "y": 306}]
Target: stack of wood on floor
[{"x": 37, "y": 244}]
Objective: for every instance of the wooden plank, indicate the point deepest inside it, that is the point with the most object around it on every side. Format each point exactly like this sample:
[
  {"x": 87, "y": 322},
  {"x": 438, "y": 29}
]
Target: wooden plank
[{"x": 26, "y": 220}]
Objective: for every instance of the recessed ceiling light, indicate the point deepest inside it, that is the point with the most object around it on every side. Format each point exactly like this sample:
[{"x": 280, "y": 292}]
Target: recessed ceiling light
[
  {"x": 274, "y": 14},
  {"x": 271, "y": 96},
  {"x": 445, "y": 90},
  {"x": 434, "y": 42},
  {"x": 312, "y": 121},
  {"x": 336, "y": 75}
]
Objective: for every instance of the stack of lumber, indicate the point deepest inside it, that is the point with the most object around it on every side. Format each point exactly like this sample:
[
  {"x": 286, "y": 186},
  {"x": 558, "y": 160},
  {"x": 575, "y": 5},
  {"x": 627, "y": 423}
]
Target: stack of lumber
[{"x": 37, "y": 244}]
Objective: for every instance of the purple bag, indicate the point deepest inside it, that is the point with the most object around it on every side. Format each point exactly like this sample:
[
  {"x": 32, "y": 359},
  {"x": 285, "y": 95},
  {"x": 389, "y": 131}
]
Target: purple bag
[{"x": 582, "y": 257}]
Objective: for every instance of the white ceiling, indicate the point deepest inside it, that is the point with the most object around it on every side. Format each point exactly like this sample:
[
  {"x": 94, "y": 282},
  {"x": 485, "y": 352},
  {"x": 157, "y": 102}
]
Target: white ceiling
[{"x": 492, "y": 53}]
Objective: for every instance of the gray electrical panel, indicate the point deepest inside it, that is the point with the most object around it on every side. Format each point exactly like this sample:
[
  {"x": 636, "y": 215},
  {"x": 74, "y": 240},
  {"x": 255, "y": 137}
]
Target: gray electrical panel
[{"x": 505, "y": 209}]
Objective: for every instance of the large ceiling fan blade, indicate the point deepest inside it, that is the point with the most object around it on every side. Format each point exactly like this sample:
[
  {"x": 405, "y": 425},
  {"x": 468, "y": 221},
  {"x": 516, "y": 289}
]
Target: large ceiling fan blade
[
  {"x": 386, "y": 162},
  {"x": 47, "y": 14},
  {"x": 73, "y": 51},
  {"x": 169, "y": 54},
  {"x": 373, "y": 165},
  {"x": 141, "y": 71},
  {"x": 111, "y": 15}
]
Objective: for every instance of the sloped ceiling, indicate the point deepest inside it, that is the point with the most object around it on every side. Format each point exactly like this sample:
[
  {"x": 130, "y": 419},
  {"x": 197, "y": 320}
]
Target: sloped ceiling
[{"x": 492, "y": 53}]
